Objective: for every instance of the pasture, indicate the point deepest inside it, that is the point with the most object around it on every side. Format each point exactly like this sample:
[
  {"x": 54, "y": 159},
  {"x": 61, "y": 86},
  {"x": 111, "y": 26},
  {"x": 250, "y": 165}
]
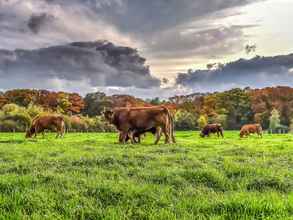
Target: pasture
[{"x": 89, "y": 176}]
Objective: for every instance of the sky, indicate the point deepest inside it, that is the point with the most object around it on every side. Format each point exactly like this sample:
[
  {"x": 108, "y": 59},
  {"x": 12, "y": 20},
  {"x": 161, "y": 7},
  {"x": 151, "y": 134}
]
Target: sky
[{"x": 154, "y": 48}]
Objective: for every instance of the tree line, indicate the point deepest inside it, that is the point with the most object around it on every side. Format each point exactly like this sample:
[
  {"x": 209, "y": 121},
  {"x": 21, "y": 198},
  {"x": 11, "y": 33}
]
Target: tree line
[{"x": 271, "y": 107}]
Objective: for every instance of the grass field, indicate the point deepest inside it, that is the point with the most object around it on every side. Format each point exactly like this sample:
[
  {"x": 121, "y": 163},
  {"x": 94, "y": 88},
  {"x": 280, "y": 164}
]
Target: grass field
[{"x": 89, "y": 176}]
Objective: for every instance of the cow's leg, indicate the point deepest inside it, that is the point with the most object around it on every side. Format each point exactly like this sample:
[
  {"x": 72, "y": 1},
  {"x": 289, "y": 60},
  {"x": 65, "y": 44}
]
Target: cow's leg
[
  {"x": 36, "y": 131},
  {"x": 121, "y": 137},
  {"x": 132, "y": 138},
  {"x": 158, "y": 135},
  {"x": 218, "y": 134},
  {"x": 221, "y": 132},
  {"x": 138, "y": 139},
  {"x": 167, "y": 135},
  {"x": 124, "y": 136}
]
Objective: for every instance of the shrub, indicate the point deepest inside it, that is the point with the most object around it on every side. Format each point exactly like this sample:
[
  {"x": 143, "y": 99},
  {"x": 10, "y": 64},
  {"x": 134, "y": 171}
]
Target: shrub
[
  {"x": 202, "y": 121},
  {"x": 185, "y": 121}
]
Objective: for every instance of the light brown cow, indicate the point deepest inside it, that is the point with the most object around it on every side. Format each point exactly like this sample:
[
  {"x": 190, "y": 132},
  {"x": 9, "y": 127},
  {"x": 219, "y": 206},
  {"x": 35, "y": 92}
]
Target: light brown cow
[
  {"x": 46, "y": 122},
  {"x": 248, "y": 129},
  {"x": 129, "y": 120}
]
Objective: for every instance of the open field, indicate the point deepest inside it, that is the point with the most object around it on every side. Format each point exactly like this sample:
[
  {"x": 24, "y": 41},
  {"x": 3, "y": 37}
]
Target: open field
[{"x": 88, "y": 176}]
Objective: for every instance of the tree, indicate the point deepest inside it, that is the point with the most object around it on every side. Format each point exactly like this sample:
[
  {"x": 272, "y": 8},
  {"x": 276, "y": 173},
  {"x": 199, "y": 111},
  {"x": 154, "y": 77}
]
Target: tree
[
  {"x": 155, "y": 101},
  {"x": 236, "y": 104},
  {"x": 185, "y": 120},
  {"x": 291, "y": 125},
  {"x": 95, "y": 103},
  {"x": 202, "y": 121},
  {"x": 275, "y": 119}
]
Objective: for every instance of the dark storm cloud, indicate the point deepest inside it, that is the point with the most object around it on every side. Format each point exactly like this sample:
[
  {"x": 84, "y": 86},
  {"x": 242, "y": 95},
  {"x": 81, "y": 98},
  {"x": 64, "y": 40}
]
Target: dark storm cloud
[
  {"x": 256, "y": 72},
  {"x": 138, "y": 19},
  {"x": 37, "y": 21},
  {"x": 142, "y": 17},
  {"x": 95, "y": 63}
]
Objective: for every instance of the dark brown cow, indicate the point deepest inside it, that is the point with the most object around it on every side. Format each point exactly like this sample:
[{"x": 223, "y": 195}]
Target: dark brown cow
[
  {"x": 129, "y": 120},
  {"x": 212, "y": 128},
  {"x": 248, "y": 129},
  {"x": 46, "y": 122}
]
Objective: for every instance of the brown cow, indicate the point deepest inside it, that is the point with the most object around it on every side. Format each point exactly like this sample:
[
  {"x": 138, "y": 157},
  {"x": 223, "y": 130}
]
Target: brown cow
[
  {"x": 129, "y": 120},
  {"x": 42, "y": 123},
  {"x": 212, "y": 128},
  {"x": 248, "y": 129}
]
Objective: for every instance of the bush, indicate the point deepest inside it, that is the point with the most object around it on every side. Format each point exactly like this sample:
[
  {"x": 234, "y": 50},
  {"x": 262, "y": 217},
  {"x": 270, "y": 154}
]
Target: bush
[
  {"x": 185, "y": 121},
  {"x": 34, "y": 110},
  {"x": 202, "y": 121},
  {"x": 9, "y": 126},
  {"x": 16, "y": 118}
]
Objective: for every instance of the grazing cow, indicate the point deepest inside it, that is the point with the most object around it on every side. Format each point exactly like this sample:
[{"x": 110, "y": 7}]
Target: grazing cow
[
  {"x": 129, "y": 120},
  {"x": 212, "y": 128},
  {"x": 248, "y": 129},
  {"x": 42, "y": 123}
]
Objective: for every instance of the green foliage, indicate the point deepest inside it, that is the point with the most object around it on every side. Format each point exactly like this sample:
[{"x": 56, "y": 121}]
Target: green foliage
[
  {"x": 34, "y": 110},
  {"x": 185, "y": 121},
  {"x": 236, "y": 104},
  {"x": 63, "y": 103},
  {"x": 155, "y": 101},
  {"x": 275, "y": 121},
  {"x": 14, "y": 118},
  {"x": 95, "y": 103},
  {"x": 202, "y": 121},
  {"x": 9, "y": 108},
  {"x": 90, "y": 176}
]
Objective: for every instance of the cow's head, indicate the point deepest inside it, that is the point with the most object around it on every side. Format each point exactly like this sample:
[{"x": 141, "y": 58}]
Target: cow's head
[
  {"x": 241, "y": 134},
  {"x": 109, "y": 115}
]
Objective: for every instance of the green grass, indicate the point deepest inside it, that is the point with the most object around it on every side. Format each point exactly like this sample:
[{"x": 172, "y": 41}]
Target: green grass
[{"x": 89, "y": 176}]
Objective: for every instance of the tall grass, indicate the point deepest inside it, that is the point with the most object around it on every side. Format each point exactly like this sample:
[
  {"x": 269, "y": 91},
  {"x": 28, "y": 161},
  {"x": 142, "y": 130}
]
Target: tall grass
[{"x": 89, "y": 176}]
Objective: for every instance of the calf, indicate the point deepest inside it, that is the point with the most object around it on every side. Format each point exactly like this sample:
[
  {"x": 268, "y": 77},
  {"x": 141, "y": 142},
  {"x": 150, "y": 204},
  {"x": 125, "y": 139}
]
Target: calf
[
  {"x": 212, "y": 128},
  {"x": 46, "y": 122},
  {"x": 248, "y": 129},
  {"x": 136, "y": 134}
]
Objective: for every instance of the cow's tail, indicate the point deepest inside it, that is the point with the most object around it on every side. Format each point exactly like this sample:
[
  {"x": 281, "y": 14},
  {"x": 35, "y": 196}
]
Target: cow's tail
[{"x": 170, "y": 124}]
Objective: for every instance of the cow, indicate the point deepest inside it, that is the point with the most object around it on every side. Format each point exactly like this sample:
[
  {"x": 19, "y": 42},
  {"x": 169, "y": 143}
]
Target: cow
[
  {"x": 248, "y": 129},
  {"x": 128, "y": 120},
  {"x": 136, "y": 134},
  {"x": 212, "y": 128},
  {"x": 46, "y": 122}
]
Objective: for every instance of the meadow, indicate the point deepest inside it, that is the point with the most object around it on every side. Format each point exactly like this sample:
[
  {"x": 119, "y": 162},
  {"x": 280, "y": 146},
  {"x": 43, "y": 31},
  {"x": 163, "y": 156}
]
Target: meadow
[{"x": 89, "y": 176}]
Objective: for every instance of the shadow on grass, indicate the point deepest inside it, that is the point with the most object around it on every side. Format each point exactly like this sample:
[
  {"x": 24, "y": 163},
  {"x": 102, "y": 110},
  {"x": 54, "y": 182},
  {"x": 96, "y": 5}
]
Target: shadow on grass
[{"x": 12, "y": 141}]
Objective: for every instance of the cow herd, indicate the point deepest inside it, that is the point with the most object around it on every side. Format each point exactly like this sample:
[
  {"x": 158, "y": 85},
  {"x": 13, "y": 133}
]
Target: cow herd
[{"x": 133, "y": 122}]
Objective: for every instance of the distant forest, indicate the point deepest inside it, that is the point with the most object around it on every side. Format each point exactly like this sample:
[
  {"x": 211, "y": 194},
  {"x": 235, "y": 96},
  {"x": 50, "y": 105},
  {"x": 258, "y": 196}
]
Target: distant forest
[{"x": 231, "y": 108}]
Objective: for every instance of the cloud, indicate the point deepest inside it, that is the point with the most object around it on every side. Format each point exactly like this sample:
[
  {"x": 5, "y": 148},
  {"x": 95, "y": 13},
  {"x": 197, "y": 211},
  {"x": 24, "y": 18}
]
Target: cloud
[
  {"x": 33, "y": 24},
  {"x": 37, "y": 21},
  {"x": 210, "y": 43},
  {"x": 256, "y": 72},
  {"x": 83, "y": 64}
]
